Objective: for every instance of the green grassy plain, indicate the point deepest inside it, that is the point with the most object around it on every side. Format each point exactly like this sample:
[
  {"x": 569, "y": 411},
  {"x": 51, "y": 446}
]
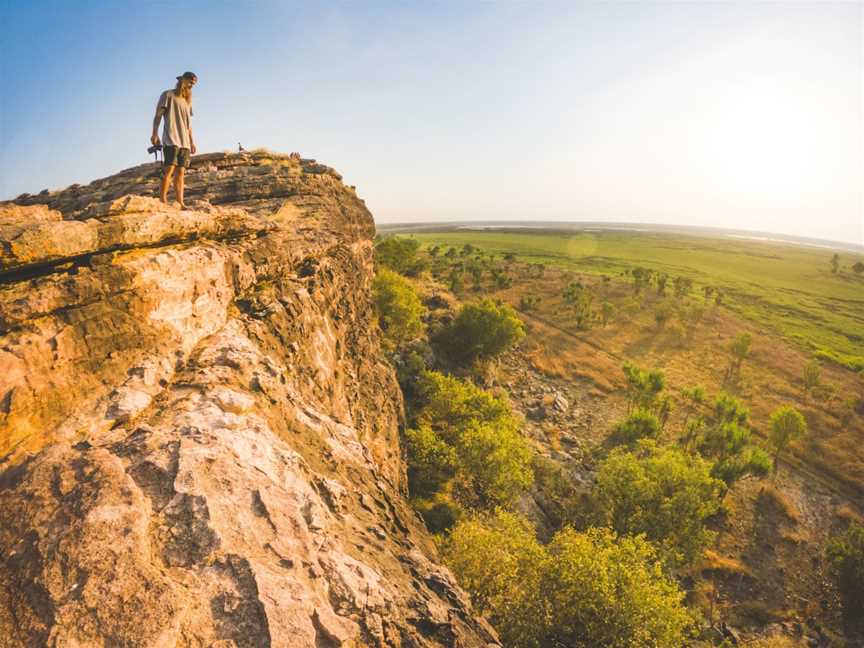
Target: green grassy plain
[{"x": 786, "y": 288}]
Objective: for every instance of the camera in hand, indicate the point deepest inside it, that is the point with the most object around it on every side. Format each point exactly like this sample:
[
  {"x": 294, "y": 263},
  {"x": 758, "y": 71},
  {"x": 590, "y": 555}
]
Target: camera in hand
[{"x": 154, "y": 148}]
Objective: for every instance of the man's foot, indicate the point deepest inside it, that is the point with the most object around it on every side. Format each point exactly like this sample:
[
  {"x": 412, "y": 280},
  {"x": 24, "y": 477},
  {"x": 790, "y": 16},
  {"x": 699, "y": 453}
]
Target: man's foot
[{"x": 182, "y": 205}]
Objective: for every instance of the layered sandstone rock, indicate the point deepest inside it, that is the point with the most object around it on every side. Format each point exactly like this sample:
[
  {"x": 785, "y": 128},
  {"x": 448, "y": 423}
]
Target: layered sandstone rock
[{"x": 199, "y": 438}]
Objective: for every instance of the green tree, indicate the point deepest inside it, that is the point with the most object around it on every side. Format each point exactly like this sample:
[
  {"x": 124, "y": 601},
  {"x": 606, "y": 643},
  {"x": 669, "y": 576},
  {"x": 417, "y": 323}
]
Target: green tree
[
  {"x": 400, "y": 254},
  {"x": 812, "y": 375},
  {"x": 682, "y": 286},
  {"x": 495, "y": 465},
  {"x": 478, "y": 332},
  {"x": 665, "y": 493},
  {"x": 398, "y": 306},
  {"x": 643, "y": 387},
  {"x": 607, "y": 312},
  {"x": 858, "y": 267},
  {"x": 509, "y": 590},
  {"x": 454, "y": 279},
  {"x": 582, "y": 590},
  {"x": 787, "y": 426},
  {"x": 739, "y": 349},
  {"x": 431, "y": 461},
  {"x": 661, "y": 315},
  {"x": 695, "y": 398},
  {"x": 465, "y": 442},
  {"x": 638, "y": 425},
  {"x": 835, "y": 263},
  {"x": 579, "y": 299},
  {"x": 726, "y": 439}
]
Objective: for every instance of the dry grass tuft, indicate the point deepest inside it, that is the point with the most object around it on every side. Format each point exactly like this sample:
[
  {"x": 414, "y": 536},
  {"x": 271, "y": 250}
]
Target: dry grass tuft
[
  {"x": 777, "y": 641},
  {"x": 723, "y": 566},
  {"x": 848, "y": 515},
  {"x": 771, "y": 500}
]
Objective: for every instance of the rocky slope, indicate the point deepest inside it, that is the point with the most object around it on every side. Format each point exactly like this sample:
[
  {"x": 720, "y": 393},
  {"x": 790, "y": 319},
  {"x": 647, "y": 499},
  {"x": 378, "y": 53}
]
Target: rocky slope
[{"x": 199, "y": 438}]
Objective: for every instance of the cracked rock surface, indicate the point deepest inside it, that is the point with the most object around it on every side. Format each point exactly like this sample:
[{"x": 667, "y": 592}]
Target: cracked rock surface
[{"x": 199, "y": 438}]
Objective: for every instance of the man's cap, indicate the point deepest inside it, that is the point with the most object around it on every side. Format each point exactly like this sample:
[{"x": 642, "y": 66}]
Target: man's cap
[{"x": 188, "y": 75}]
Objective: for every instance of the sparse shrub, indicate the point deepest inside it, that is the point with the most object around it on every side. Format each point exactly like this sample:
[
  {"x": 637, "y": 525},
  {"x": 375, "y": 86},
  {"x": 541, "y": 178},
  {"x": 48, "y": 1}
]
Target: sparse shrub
[
  {"x": 638, "y": 425},
  {"x": 479, "y": 331},
  {"x": 398, "y": 306},
  {"x": 581, "y": 590},
  {"x": 529, "y": 302},
  {"x": 824, "y": 392},
  {"x": 846, "y": 553},
  {"x": 664, "y": 493},
  {"x": 858, "y": 267}
]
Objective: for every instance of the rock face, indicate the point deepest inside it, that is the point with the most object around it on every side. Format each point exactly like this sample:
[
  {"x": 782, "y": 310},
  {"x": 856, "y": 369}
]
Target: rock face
[{"x": 199, "y": 439}]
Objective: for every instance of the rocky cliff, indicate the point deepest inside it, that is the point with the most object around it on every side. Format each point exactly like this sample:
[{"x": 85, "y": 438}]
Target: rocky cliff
[{"x": 199, "y": 439}]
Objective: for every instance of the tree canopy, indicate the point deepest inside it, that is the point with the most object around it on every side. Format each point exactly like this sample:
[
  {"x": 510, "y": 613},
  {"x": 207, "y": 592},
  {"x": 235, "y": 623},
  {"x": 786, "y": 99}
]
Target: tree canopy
[
  {"x": 665, "y": 493},
  {"x": 479, "y": 331},
  {"x": 582, "y": 590}
]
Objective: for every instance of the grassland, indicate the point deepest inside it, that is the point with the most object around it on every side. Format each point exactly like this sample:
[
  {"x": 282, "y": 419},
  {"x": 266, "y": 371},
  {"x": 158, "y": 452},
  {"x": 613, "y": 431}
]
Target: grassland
[
  {"x": 785, "y": 296},
  {"x": 768, "y": 563},
  {"x": 786, "y": 288}
]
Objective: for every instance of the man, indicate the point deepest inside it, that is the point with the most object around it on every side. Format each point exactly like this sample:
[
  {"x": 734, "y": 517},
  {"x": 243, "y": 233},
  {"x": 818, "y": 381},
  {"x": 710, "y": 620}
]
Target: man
[{"x": 176, "y": 107}]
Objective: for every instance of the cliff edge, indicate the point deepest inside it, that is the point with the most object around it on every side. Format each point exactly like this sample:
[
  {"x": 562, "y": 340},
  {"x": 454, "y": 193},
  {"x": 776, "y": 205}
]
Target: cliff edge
[{"x": 199, "y": 437}]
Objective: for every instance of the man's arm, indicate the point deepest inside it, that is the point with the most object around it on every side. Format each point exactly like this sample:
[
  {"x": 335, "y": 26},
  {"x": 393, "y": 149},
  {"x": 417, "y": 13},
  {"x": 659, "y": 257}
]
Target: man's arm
[
  {"x": 154, "y": 138},
  {"x": 192, "y": 142},
  {"x": 161, "y": 108}
]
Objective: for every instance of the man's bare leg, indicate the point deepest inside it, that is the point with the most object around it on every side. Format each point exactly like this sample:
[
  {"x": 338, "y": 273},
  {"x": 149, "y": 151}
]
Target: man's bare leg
[
  {"x": 166, "y": 180},
  {"x": 178, "y": 186}
]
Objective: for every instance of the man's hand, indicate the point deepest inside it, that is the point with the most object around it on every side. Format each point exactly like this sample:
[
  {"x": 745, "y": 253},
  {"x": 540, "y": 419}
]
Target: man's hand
[
  {"x": 154, "y": 139},
  {"x": 193, "y": 149}
]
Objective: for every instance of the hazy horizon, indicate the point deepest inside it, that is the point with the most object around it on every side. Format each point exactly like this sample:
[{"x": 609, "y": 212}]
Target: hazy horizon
[{"x": 731, "y": 115}]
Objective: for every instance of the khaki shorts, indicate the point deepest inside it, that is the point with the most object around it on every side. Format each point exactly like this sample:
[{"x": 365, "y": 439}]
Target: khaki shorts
[{"x": 174, "y": 156}]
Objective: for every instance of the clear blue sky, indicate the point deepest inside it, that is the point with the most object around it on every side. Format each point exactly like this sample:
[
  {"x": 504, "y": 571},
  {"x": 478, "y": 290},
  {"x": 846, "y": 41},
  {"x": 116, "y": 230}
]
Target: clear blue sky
[{"x": 745, "y": 115}]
